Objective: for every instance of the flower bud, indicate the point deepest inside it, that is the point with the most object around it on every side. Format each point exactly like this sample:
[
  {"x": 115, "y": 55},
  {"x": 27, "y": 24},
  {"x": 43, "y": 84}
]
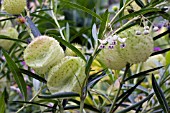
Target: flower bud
[
  {"x": 14, "y": 6},
  {"x": 138, "y": 33},
  {"x": 146, "y": 27},
  {"x": 115, "y": 8},
  {"x": 43, "y": 53},
  {"x": 146, "y": 32},
  {"x": 67, "y": 76},
  {"x": 11, "y": 33},
  {"x": 155, "y": 29}
]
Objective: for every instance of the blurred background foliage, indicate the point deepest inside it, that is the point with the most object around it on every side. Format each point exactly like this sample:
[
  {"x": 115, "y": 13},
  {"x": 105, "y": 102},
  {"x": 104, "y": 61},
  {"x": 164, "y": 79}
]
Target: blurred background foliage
[{"x": 140, "y": 92}]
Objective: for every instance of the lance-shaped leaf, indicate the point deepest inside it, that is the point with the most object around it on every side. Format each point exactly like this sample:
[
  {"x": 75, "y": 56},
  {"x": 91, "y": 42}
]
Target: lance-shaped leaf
[
  {"x": 160, "y": 96},
  {"x": 2, "y": 103},
  {"x": 160, "y": 52},
  {"x": 74, "y": 49},
  {"x": 143, "y": 73},
  {"x": 135, "y": 105},
  {"x": 60, "y": 95},
  {"x": 32, "y": 103},
  {"x": 30, "y": 74},
  {"x": 79, "y": 7},
  {"x": 17, "y": 74}
]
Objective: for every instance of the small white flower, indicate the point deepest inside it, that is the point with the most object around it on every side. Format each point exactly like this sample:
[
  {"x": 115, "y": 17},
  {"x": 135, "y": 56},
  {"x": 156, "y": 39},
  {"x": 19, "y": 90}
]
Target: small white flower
[
  {"x": 111, "y": 46},
  {"x": 122, "y": 40},
  {"x": 103, "y": 41},
  {"x": 115, "y": 37},
  {"x": 145, "y": 32},
  {"x": 114, "y": 42},
  {"x": 122, "y": 45},
  {"x": 101, "y": 46},
  {"x": 138, "y": 32},
  {"x": 112, "y": 39},
  {"x": 155, "y": 29},
  {"x": 146, "y": 27}
]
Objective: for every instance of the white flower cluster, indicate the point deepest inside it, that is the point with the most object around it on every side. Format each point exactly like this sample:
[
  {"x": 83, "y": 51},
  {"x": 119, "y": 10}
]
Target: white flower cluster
[
  {"x": 112, "y": 41},
  {"x": 135, "y": 47}
]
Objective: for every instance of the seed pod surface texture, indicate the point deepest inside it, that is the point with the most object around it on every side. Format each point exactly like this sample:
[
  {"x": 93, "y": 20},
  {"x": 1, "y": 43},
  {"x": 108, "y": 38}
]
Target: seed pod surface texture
[
  {"x": 11, "y": 33},
  {"x": 43, "y": 53},
  {"x": 67, "y": 76},
  {"x": 138, "y": 47},
  {"x": 14, "y": 6},
  {"x": 111, "y": 58},
  {"x": 134, "y": 46}
]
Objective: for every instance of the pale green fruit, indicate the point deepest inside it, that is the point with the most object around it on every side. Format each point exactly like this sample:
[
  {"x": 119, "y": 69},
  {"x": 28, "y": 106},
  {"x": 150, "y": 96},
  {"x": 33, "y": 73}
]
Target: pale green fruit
[
  {"x": 67, "y": 76},
  {"x": 43, "y": 53},
  {"x": 111, "y": 58},
  {"x": 153, "y": 62},
  {"x": 11, "y": 33},
  {"x": 14, "y": 6},
  {"x": 5, "y": 24},
  {"x": 138, "y": 47}
]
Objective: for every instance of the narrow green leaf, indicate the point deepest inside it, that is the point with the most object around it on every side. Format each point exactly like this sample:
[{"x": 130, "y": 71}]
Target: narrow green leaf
[
  {"x": 2, "y": 102},
  {"x": 87, "y": 106},
  {"x": 160, "y": 96},
  {"x": 90, "y": 61},
  {"x": 79, "y": 33},
  {"x": 135, "y": 105},
  {"x": 160, "y": 52},
  {"x": 124, "y": 95},
  {"x": 74, "y": 49},
  {"x": 103, "y": 24},
  {"x": 33, "y": 75},
  {"x": 32, "y": 103},
  {"x": 94, "y": 34},
  {"x": 161, "y": 35},
  {"x": 88, "y": 65},
  {"x": 32, "y": 26},
  {"x": 17, "y": 74},
  {"x": 141, "y": 74},
  {"x": 60, "y": 95},
  {"x": 142, "y": 11},
  {"x": 79, "y": 7},
  {"x": 140, "y": 3},
  {"x": 94, "y": 80},
  {"x": 1, "y": 20},
  {"x": 120, "y": 6},
  {"x": 12, "y": 39}
]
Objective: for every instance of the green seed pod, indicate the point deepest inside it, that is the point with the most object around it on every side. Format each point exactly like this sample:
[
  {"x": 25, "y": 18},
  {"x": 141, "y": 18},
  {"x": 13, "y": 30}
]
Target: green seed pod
[
  {"x": 67, "y": 76},
  {"x": 138, "y": 47},
  {"x": 14, "y": 6},
  {"x": 11, "y": 33},
  {"x": 111, "y": 58},
  {"x": 43, "y": 53}
]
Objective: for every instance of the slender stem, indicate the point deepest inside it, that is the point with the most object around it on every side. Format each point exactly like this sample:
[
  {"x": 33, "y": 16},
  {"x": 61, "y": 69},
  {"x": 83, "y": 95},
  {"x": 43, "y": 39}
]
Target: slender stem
[
  {"x": 113, "y": 19},
  {"x": 30, "y": 100},
  {"x": 61, "y": 106},
  {"x": 126, "y": 24},
  {"x": 56, "y": 21},
  {"x": 81, "y": 105},
  {"x": 118, "y": 92}
]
